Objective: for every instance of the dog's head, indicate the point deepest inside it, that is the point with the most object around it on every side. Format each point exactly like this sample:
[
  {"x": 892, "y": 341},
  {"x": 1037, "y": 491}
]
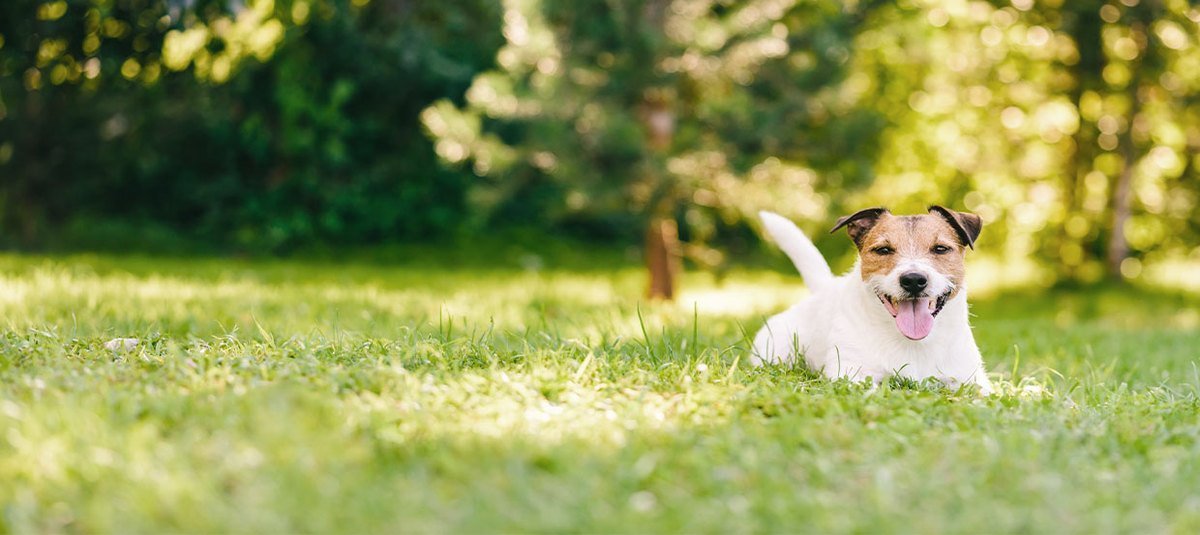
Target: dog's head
[{"x": 913, "y": 263}]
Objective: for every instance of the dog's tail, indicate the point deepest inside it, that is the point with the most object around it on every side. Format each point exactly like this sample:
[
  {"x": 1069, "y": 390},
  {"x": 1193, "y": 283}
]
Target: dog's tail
[{"x": 803, "y": 253}]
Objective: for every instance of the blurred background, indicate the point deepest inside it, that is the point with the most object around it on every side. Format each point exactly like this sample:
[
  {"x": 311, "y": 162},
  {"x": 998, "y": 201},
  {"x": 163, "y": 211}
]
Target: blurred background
[{"x": 275, "y": 126}]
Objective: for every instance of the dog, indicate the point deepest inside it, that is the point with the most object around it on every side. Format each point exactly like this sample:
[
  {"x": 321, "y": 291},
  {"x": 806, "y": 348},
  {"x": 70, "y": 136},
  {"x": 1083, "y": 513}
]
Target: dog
[{"x": 900, "y": 311}]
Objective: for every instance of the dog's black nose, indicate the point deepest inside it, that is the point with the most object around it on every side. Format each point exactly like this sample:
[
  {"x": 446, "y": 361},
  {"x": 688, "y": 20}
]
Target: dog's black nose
[{"x": 913, "y": 282}]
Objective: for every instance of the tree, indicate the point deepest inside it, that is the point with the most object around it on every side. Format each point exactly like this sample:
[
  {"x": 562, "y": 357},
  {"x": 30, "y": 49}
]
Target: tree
[
  {"x": 1134, "y": 79},
  {"x": 660, "y": 112}
]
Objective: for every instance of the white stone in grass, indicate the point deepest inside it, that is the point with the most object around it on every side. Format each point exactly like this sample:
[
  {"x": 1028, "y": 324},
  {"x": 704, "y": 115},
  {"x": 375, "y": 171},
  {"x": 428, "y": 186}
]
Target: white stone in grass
[{"x": 121, "y": 344}]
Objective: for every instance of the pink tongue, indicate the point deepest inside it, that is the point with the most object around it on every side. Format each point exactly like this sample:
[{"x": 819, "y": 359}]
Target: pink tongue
[{"x": 914, "y": 319}]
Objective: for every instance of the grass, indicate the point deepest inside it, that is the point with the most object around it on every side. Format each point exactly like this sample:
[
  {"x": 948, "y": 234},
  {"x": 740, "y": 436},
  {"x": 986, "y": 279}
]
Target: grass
[{"x": 282, "y": 396}]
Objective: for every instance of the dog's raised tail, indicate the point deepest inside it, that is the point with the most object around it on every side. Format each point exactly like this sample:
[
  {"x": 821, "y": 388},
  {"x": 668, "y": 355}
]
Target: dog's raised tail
[{"x": 799, "y": 248}]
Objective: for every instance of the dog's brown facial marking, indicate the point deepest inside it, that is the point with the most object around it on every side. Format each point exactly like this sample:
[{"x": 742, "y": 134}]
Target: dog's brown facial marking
[
  {"x": 913, "y": 264},
  {"x": 928, "y": 238}
]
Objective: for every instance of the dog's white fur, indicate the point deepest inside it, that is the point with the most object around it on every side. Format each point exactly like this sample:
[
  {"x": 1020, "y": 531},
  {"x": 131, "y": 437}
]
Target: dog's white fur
[{"x": 842, "y": 330}]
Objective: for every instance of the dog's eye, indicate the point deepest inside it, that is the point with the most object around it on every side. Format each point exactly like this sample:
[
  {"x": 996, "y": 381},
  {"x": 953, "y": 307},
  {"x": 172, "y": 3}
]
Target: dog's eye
[
  {"x": 883, "y": 250},
  {"x": 940, "y": 249}
]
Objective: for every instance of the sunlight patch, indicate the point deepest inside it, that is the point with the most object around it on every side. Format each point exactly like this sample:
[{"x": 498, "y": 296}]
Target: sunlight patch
[
  {"x": 741, "y": 299},
  {"x": 506, "y": 405}
]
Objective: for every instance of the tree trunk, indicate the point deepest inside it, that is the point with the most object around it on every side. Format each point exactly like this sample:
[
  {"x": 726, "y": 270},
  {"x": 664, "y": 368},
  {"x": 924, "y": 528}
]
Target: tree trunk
[
  {"x": 1118, "y": 247},
  {"x": 662, "y": 258},
  {"x": 662, "y": 236},
  {"x": 1143, "y": 69}
]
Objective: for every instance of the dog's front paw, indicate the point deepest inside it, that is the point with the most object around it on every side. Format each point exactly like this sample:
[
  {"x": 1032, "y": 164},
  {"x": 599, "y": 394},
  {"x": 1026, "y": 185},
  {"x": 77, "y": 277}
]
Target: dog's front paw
[
  {"x": 985, "y": 388},
  {"x": 982, "y": 387}
]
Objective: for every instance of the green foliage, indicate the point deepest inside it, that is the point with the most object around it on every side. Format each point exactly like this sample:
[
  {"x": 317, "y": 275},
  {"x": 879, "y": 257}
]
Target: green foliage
[
  {"x": 274, "y": 396},
  {"x": 268, "y": 126}
]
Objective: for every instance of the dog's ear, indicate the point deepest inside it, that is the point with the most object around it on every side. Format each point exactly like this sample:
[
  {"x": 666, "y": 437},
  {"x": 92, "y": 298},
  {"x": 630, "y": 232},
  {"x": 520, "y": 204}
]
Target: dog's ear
[
  {"x": 965, "y": 224},
  {"x": 858, "y": 223}
]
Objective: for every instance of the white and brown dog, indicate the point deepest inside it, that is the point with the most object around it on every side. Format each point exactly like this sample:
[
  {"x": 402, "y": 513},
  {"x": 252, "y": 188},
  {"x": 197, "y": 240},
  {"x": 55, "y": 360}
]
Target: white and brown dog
[{"x": 902, "y": 309}]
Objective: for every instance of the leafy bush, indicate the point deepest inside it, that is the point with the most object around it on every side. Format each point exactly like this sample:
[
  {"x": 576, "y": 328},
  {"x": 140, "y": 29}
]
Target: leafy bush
[{"x": 319, "y": 143}]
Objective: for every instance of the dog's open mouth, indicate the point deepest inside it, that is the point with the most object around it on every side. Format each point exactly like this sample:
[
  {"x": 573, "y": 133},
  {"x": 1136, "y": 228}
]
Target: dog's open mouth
[{"x": 914, "y": 316}]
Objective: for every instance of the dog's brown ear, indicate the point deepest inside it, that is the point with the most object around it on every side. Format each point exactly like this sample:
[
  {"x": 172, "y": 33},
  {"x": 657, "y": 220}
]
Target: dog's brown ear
[
  {"x": 965, "y": 224},
  {"x": 858, "y": 223}
]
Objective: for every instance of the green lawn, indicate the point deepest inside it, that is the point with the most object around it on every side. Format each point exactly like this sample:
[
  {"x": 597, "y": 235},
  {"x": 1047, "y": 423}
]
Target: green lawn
[{"x": 274, "y": 396}]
